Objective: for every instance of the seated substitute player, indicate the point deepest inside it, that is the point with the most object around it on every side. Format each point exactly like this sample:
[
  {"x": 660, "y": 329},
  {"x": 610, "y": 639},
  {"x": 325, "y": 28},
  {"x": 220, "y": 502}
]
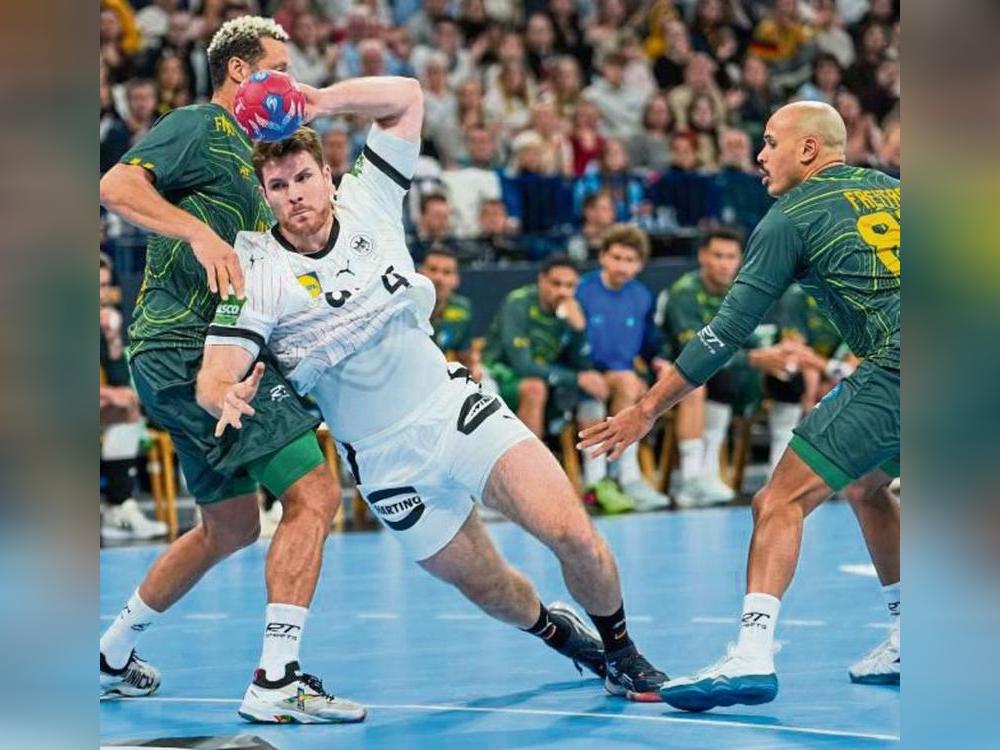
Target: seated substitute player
[
  {"x": 452, "y": 315},
  {"x": 703, "y": 418},
  {"x": 835, "y": 229},
  {"x": 620, "y": 327},
  {"x": 537, "y": 352},
  {"x": 417, "y": 434}
]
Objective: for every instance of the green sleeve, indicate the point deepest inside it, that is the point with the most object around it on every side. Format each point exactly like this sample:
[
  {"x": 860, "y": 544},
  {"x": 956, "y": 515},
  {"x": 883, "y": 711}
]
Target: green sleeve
[
  {"x": 773, "y": 260},
  {"x": 174, "y": 150}
]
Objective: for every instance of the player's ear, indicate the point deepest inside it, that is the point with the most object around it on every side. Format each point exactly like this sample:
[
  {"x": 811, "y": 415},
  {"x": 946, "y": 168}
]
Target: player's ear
[
  {"x": 238, "y": 69},
  {"x": 810, "y": 149}
]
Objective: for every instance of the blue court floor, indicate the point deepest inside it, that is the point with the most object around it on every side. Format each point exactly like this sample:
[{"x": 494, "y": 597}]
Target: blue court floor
[{"x": 435, "y": 673}]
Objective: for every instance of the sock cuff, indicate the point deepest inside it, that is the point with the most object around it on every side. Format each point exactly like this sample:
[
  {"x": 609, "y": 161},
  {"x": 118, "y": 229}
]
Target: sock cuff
[
  {"x": 292, "y": 612},
  {"x": 762, "y": 603},
  {"x": 891, "y": 595},
  {"x": 541, "y": 623},
  {"x": 140, "y": 609}
]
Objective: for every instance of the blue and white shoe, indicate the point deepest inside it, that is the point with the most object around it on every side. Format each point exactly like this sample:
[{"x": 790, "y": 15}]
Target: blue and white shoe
[
  {"x": 880, "y": 666},
  {"x": 733, "y": 679}
]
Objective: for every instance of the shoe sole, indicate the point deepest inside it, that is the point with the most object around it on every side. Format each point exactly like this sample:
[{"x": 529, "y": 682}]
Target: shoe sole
[
  {"x": 566, "y": 611},
  {"x": 624, "y": 692},
  {"x": 750, "y": 690},
  {"x": 268, "y": 713},
  {"x": 116, "y": 693},
  {"x": 875, "y": 679}
]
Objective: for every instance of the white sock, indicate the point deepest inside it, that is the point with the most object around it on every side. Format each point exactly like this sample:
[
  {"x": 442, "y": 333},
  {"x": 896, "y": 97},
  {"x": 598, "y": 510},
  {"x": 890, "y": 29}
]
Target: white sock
[
  {"x": 120, "y": 638},
  {"x": 594, "y": 469},
  {"x": 891, "y": 595},
  {"x": 781, "y": 420},
  {"x": 717, "y": 418},
  {"x": 760, "y": 615},
  {"x": 692, "y": 454},
  {"x": 281, "y": 638},
  {"x": 628, "y": 465}
]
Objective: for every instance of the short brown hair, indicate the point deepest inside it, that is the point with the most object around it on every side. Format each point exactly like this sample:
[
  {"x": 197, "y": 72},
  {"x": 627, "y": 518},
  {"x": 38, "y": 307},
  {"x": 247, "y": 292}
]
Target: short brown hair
[
  {"x": 628, "y": 235},
  {"x": 303, "y": 139}
]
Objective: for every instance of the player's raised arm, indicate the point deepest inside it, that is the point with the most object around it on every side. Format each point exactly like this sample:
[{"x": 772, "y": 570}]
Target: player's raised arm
[{"x": 395, "y": 103}]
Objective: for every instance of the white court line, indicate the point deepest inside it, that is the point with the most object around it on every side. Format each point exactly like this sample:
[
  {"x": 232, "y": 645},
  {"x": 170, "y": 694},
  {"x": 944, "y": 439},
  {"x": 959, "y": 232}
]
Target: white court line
[
  {"x": 206, "y": 616},
  {"x": 581, "y": 714},
  {"x": 714, "y": 620},
  {"x": 640, "y": 618},
  {"x": 804, "y": 623},
  {"x": 733, "y": 620},
  {"x": 866, "y": 569},
  {"x": 458, "y": 616},
  {"x": 377, "y": 616},
  {"x": 880, "y": 625}
]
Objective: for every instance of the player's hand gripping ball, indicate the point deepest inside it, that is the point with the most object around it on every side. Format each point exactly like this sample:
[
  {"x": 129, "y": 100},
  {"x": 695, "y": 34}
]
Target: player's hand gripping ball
[{"x": 269, "y": 105}]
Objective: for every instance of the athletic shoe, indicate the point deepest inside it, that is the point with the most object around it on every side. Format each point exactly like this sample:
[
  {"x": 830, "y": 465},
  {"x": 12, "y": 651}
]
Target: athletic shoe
[
  {"x": 136, "y": 678},
  {"x": 646, "y": 498},
  {"x": 584, "y": 646},
  {"x": 880, "y": 666},
  {"x": 716, "y": 491},
  {"x": 691, "y": 494},
  {"x": 126, "y": 521},
  {"x": 296, "y": 698},
  {"x": 631, "y": 676},
  {"x": 269, "y": 519},
  {"x": 733, "y": 679},
  {"x": 607, "y": 498}
]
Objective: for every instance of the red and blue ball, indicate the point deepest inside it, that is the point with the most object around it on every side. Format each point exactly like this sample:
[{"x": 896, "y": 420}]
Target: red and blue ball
[{"x": 269, "y": 105}]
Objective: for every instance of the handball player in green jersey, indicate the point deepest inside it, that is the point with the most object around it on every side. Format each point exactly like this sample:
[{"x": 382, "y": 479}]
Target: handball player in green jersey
[
  {"x": 190, "y": 182},
  {"x": 835, "y": 230}
]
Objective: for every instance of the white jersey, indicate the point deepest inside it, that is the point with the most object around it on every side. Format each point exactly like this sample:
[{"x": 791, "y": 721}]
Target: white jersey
[{"x": 313, "y": 311}]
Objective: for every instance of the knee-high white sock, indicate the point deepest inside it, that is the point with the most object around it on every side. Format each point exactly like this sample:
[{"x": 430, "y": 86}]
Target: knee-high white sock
[
  {"x": 281, "y": 638},
  {"x": 781, "y": 420},
  {"x": 692, "y": 454},
  {"x": 590, "y": 411},
  {"x": 760, "y": 615},
  {"x": 120, "y": 638},
  {"x": 717, "y": 418},
  {"x": 628, "y": 465}
]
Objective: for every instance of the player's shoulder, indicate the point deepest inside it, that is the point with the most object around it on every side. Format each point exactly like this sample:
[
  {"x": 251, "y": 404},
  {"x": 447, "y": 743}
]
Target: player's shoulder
[
  {"x": 261, "y": 246},
  {"x": 589, "y": 282},
  {"x": 458, "y": 308},
  {"x": 639, "y": 291},
  {"x": 688, "y": 283},
  {"x": 523, "y": 294},
  {"x": 193, "y": 116}
]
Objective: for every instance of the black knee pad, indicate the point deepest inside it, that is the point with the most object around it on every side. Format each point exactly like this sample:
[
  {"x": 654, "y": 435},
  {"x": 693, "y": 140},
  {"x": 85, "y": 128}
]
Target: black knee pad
[{"x": 786, "y": 391}]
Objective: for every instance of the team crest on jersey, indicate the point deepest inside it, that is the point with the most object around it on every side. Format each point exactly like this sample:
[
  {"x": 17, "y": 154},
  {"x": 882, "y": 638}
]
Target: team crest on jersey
[
  {"x": 361, "y": 244},
  {"x": 475, "y": 410},
  {"x": 310, "y": 282}
]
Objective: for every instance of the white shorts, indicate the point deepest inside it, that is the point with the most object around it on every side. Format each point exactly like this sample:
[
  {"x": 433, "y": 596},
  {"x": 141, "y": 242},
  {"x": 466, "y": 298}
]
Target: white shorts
[{"x": 418, "y": 476}]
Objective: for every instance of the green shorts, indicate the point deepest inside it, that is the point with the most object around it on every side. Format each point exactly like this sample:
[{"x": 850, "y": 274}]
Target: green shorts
[
  {"x": 508, "y": 383},
  {"x": 561, "y": 399},
  {"x": 854, "y": 429},
  {"x": 275, "y": 447}
]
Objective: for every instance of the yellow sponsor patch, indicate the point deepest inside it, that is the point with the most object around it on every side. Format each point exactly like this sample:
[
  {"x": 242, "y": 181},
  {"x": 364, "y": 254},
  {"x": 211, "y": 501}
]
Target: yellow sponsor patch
[
  {"x": 310, "y": 282},
  {"x": 455, "y": 313}
]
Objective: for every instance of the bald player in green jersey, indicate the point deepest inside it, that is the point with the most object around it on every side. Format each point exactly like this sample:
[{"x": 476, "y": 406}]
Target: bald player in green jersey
[
  {"x": 190, "y": 182},
  {"x": 835, "y": 229}
]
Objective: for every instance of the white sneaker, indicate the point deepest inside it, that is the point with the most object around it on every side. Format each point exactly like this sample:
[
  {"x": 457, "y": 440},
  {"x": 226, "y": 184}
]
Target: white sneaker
[
  {"x": 269, "y": 519},
  {"x": 880, "y": 666},
  {"x": 691, "y": 494},
  {"x": 127, "y": 521},
  {"x": 646, "y": 498},
  {"x": 136, "y": 678},
  {"x": 296, "y": 698},
  {"x": 716, "y": 491},
  {"x": 736, "y": 678}
]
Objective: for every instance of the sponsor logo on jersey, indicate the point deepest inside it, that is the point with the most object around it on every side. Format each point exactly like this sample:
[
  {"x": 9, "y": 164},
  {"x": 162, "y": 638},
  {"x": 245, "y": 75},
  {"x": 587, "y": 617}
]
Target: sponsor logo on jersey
[
  {"x": 279, "y": 393},
  {"x": 361, "y": 244},
  {"x": 475, "y": 410},
  {"x": 398, "y": 507},
  {"x": 310, "y": 282},
  {"x": 228, "y": 311}
]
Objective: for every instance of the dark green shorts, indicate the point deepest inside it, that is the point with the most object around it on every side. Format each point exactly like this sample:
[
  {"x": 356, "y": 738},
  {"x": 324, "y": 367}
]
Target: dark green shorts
[
  {"x": 508, "y": 383},
  {"x": 267, "y": 449},
  {"x": 854, "y": 429},
  {"x": 561, "y": 399}
]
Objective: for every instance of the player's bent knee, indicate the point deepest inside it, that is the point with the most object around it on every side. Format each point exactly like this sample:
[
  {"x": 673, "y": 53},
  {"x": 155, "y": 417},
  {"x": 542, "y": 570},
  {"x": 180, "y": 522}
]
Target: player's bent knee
[{"x": 577, "y": 543}]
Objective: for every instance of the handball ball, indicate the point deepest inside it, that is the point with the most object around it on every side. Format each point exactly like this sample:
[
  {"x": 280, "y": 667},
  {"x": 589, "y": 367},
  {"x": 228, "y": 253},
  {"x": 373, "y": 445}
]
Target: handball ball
[{"x": 269, "y": 105}]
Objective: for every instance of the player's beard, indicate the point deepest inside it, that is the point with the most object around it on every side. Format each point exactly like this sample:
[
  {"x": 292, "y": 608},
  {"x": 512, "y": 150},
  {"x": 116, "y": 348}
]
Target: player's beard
[{"x": 314, "y": 221}]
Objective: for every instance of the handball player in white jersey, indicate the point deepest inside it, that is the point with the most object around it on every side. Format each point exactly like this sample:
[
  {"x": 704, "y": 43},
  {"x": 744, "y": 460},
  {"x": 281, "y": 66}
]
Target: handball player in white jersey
[{"x": 333, "y": 300}]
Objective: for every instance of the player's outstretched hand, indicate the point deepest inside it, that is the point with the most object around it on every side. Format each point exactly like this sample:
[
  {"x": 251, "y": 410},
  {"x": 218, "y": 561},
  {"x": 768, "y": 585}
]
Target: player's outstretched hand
[
  {"x": 236, "y": 402},
  {"x": 221, "y": 264},
  {"x": 615, "y": 434},
  {"x": 311, "y": 95}
]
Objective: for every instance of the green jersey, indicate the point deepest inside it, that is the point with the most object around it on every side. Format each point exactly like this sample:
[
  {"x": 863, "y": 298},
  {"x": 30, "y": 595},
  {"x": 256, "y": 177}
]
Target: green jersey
[
  {"x": 800, "y": 314},
  {"x": 535, "y": 343},
  {"x": 453, "y": 327},
  {"x": 200, "y": 160},
  {"x": 838, "y": 235}
]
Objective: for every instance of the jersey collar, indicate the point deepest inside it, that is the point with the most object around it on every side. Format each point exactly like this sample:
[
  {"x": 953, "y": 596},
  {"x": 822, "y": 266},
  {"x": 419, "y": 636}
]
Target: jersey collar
[{"x": 334, "y": 234}]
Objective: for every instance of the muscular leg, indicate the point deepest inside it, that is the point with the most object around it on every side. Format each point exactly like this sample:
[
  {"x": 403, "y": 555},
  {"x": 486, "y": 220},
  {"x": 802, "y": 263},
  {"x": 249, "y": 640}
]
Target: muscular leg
[
  {"x": 296, "y": 552},
  {"x": 471, "y": 563},
  {"x": 225, "y": 527},
  {"x": 528, "y": 486},
  {"x": 626, "y": 388},
  {"x": 532, "y": 396},
  {"x": 877, "y": 511},
  {"x": 779, "y": 510}
]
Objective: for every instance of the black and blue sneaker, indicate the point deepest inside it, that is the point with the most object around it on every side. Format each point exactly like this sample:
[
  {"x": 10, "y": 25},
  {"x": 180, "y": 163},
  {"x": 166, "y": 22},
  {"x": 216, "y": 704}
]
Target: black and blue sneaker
[
  {"x": 734, "y": 679},
  {"x": 584, "y": 645},
  {"x": 631, "y": 676}
]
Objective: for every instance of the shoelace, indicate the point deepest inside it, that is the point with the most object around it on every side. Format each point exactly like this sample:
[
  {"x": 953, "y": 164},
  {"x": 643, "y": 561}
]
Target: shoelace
[{"x": 315, "y": 684}]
